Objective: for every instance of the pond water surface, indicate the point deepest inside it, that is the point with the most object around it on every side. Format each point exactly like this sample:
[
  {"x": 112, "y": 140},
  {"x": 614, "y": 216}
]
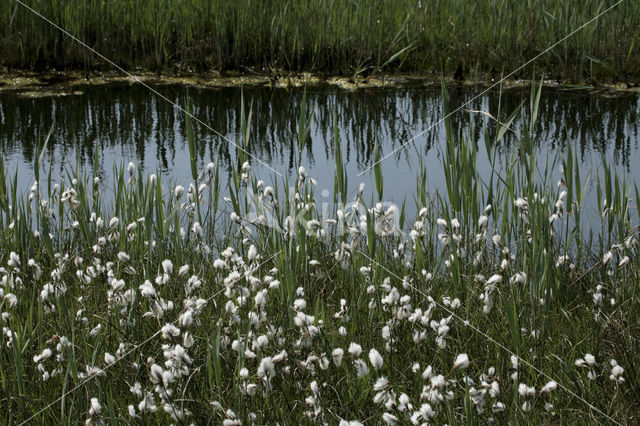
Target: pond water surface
[{"x": 129, "y": 123}]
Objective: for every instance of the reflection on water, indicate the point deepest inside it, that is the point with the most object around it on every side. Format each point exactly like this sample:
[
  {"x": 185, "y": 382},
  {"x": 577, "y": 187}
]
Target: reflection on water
[{"x": 130, "y": 123}]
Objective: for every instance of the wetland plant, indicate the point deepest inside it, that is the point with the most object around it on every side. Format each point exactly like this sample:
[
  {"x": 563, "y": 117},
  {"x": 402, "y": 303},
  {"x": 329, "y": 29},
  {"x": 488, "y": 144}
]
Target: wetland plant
[{"x": 165, "y": 304}]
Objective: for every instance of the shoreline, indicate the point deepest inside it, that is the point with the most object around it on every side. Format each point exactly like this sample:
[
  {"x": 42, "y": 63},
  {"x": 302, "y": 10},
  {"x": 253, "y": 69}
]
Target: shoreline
[{"x": 31, "y": 84}]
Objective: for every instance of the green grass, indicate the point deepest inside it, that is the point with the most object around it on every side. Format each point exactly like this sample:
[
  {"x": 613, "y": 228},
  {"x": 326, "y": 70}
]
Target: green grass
[
  {"x": 449, "y": 286},
  {"x": 341, "y": 37}
]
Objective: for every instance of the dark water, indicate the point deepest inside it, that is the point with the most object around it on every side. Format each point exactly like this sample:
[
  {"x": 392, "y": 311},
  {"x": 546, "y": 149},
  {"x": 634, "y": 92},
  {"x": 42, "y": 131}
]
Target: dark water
[{"x": 131, "y": 124}]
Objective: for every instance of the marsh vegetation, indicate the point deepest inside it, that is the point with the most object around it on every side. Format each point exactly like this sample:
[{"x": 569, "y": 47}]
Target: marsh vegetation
[
  {"x": 338, "y": 37},
  {"x": 251, "y": 300}
]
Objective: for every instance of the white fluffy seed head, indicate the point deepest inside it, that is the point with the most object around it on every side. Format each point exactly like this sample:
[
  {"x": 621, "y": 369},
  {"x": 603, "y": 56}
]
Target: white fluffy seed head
[
  {"x": 337, "y": 355},
  {"x": 355, "y": 349},
  {"x": 376, "y": 359},
  {"x": 550, "y": 386},
  {"x": 167, "y": 266},
  {"x": 461, "y": 361},
  {"x": 178, "y": 191}
]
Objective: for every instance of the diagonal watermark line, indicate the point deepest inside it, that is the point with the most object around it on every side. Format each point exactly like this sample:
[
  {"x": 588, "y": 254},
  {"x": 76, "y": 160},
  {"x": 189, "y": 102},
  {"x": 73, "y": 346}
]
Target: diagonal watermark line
[
  {"x": 495, "y": 342},
  {"x": 135, "y": 348},
  {"x": 138, "y": 80},
  {"x": 562, "y": 40}
]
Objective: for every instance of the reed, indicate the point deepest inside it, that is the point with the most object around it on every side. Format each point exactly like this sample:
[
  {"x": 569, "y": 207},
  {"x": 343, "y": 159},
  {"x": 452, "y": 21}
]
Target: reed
[{"x": 339, "y": 37}]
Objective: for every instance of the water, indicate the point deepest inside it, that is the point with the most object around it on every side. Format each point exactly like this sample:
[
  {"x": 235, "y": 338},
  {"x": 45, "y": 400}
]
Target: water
[{"x": 129, "y": 123}]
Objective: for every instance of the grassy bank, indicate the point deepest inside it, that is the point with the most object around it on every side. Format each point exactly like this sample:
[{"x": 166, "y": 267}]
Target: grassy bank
[
  {"x": 155, "y": 304},
  {"x": 339, "y": 37}
]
